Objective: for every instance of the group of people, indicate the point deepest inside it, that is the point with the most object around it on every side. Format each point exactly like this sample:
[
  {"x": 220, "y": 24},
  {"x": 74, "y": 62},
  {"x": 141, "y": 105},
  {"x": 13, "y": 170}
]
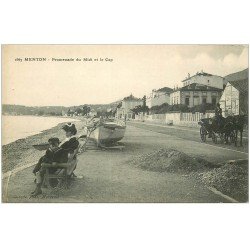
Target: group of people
[{"x": 58, "y": 152}]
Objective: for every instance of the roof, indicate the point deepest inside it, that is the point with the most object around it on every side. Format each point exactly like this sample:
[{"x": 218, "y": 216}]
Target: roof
[
  {"x": 200, "y": 87},
  {"x": 197, "y": 74},
  {"x": 165, "y": 89},
  {"x": 239, "y": 80},
  {"x": 241, "y": 75},
  {"x": 131, "y": 98},
  {"x": 241, "y": 85}
]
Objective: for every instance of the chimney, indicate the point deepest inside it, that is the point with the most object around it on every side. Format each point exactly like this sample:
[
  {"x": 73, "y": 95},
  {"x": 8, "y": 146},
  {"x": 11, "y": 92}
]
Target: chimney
[{"x": 188, "y": 75}]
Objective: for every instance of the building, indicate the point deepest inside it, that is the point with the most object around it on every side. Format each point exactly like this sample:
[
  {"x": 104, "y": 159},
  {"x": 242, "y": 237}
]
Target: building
[
  {"x": 205, "y": 79},
  {"x": 234, "y": 100},
  {"x": 128, "y": 103},
  {"x": 195, "y": 94},
  {"x": 158, "y": 97}
]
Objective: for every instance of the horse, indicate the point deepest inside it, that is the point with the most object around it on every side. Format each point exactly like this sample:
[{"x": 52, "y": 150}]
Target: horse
[
  {"x": 229, "y": 129},
  {"x": 224, "y": 127},
  {"x": 240, "y": 121}
]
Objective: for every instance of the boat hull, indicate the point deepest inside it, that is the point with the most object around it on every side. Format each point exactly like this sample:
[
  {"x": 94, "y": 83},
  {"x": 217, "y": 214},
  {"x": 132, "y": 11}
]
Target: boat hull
[{"x": 108, "y": 133}]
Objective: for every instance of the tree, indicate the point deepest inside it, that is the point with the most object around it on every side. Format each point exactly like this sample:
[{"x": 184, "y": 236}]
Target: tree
[
  {"x": 145, "y": 108},
  {"x": 140, "y": 109},
  {"x": 40, "y": 112},
  {"x": 137, "y": 109},
  {"x": 85, "y": 110},
  {"x": 78, "y": 111},
  {"x": 119, "y": 105},
  {"x": 70, "y": 112},
  {"x": 165, "y": 108}
]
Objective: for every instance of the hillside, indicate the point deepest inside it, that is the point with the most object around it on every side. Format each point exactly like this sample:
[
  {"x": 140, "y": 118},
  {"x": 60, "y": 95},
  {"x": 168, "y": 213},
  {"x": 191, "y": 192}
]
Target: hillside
[{"x": 52, "y": 110}]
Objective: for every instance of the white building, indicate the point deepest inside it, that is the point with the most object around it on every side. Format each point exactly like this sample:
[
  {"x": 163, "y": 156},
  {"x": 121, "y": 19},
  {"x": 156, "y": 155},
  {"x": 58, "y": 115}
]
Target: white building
[
  {"x": 158, "y": 97},
  {"x": 234, "y": 100},
  {"x": 195, "y": 94},
  {"x": 205, "y": 79},
  {"x": 128, "y": 103}
]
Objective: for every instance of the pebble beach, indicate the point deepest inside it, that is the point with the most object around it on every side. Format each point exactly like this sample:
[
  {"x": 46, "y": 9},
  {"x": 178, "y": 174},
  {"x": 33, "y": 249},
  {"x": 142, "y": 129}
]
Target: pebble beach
[{"x": 21, "y": 152}]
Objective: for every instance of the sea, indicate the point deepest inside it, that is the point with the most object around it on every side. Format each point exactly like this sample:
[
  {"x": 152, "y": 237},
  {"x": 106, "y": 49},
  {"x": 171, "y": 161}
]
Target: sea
[{"x": 19, "y": 127}]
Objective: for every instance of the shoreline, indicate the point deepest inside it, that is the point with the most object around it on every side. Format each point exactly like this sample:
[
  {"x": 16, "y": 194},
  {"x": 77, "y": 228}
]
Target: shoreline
[
  {"x": 23, "y": 136},
  {"x": 50, "y": 116},
  {"x": 21, "y": 152}
]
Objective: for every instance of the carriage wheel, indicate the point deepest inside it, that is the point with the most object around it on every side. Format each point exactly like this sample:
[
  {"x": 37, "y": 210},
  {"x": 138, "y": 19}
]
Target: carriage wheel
[
  {"x": 214, "y": 138},
  {"x": 203, "y": 134}
]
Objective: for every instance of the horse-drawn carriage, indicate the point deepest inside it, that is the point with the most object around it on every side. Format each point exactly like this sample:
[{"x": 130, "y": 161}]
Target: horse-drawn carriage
[
  {"x": 225, "y": 129},
  {"x": 212, "y": 128}
]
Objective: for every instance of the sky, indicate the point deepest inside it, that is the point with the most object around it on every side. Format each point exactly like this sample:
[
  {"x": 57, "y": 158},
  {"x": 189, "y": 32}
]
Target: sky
[{"x": 129, "y": 69}]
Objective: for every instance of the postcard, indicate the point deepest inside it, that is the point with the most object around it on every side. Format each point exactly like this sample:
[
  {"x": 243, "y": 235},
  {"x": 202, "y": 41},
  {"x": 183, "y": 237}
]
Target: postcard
[{"x": 125, "y": 123}]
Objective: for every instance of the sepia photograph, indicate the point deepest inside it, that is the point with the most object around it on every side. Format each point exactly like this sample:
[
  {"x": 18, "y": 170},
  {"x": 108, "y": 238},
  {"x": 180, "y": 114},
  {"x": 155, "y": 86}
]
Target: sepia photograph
[{"x": 151, "y": 123}]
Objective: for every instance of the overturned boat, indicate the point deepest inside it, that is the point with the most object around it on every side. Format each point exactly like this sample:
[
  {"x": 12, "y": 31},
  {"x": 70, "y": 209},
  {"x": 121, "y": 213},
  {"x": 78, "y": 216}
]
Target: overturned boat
[{"x": 107, "y": 132}]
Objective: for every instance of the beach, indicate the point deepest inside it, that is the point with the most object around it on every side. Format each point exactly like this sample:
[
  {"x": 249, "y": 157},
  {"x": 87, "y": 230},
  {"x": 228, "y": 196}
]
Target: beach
[{"x": 21, "y": 152}]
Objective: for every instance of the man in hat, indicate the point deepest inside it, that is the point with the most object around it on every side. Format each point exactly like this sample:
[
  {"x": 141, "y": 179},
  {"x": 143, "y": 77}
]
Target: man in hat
[
  {"x": 218, "y": 111},
  {"x": 56, "y": 153},
  {"x": 53, "y": 154}
]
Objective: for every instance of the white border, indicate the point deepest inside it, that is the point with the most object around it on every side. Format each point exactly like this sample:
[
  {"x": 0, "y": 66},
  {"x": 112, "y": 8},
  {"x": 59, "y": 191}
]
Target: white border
[{"x": 129, "y": 226}]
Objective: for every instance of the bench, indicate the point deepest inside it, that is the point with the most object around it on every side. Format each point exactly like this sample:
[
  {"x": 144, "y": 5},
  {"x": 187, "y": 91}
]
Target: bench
[{"x": 64, "y": 170}]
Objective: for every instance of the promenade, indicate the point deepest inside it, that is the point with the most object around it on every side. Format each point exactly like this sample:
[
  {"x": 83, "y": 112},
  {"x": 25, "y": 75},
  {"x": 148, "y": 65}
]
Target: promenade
[{"x": 109, "y": 175}]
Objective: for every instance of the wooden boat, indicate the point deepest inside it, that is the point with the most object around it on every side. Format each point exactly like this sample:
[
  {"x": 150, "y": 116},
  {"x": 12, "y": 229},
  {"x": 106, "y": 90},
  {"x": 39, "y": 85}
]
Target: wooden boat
[{"x": 108, "y": 132}]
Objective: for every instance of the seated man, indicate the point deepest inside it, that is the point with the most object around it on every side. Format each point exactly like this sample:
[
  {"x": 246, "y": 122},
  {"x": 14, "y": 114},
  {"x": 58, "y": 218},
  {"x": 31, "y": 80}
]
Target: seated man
[
  {"x": 56, "y": 153},
  {"x": 53, "y": 154}
]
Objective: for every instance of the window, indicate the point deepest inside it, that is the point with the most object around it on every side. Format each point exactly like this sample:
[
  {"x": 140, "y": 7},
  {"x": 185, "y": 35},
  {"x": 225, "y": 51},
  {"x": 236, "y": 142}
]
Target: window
[
  {"x": 187, "y": 101},
  {"x": 196, "y": 100},
  {"x": 204, "y": 100},
  {"x": 208, "y": 81},
  {"x": 214, "y": 100}
]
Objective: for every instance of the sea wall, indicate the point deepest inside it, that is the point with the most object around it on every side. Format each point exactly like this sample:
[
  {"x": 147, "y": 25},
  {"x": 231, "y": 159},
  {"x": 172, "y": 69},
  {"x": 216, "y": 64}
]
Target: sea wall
[{"x": 178, "y": 118}]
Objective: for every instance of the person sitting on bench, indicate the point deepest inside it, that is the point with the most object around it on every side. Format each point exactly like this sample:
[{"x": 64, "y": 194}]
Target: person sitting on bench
[{"x": 56, "y": 153}]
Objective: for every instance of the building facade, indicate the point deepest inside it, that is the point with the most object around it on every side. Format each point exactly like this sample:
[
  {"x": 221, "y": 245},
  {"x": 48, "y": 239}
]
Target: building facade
[
  {"x": 234, "y": 100},
  {"x": 128, "y": 103},
  {"x": 158, "y": 97},
  {"x": 195, "y": 94},
  {"x": 205, "y": 79}
]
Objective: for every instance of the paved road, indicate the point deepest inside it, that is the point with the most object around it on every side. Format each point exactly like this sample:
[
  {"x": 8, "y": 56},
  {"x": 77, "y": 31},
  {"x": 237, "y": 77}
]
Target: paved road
[
  {"x": 189, "y": 135},
  {"x": 109, "y": 176}
]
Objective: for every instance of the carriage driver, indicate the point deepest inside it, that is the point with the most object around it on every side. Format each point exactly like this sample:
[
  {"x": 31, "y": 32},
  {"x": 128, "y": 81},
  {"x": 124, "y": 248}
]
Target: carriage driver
[
  {"x": 218, "y": 111},
  {"x": 218, "y": 115}
]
